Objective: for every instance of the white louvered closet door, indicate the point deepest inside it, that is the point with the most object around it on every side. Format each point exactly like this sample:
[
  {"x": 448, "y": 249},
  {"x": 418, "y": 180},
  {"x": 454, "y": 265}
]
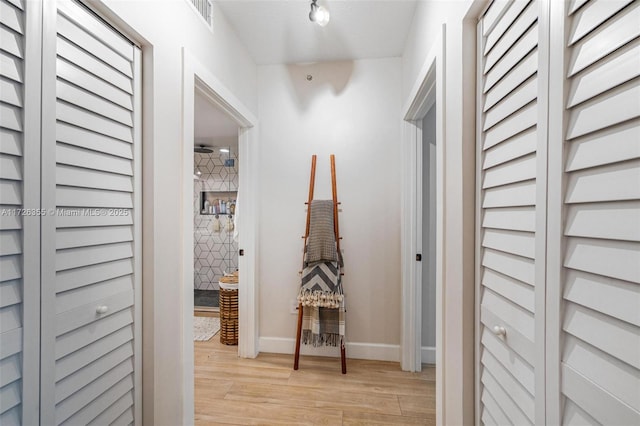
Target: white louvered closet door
[
  {"x": 19, "y": 223},
  {"x": 599, "y": 338},
  {"x": 91, "y": 248},
  {"x": 510, "y": 230}
]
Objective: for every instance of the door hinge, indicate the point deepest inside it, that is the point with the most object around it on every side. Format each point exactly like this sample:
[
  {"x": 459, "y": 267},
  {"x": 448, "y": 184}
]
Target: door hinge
[{"x": 241, "y": 252}]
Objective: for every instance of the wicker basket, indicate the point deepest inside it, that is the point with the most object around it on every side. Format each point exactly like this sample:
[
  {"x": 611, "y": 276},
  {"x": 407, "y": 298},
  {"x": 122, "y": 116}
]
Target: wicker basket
[{"x": 228, "y": 316}]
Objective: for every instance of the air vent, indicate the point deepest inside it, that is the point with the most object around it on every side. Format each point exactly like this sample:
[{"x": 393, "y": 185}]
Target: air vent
[{"x": 204, "y": 9}]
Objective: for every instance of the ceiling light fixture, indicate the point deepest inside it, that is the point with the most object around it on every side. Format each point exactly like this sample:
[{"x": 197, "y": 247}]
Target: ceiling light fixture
[
  {"x": 319, "y": 14},
  {"x": 224, "y": 150}
]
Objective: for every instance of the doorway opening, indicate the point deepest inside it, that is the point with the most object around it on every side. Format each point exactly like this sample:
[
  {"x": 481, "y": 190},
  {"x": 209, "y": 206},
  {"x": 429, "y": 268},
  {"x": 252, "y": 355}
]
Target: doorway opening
[
  {"x": 427, "y": 218},
  {"x": 215, "y": 197},
  {"x": 423, "y": 254}
]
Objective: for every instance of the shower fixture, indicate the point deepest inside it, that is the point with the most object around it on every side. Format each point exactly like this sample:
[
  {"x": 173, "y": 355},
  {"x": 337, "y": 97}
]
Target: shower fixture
[
  {"x": 201, "y": 149},
  {"x": 319, "y": 14}
]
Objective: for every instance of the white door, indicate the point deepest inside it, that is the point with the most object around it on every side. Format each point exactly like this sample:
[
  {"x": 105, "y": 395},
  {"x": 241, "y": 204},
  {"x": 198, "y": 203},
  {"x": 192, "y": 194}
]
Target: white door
[
  {"x": 19, "y": 220},
  {"x": 511, "y": 215},
  {"x": 91, "y": 247},
  {"x": 599, "y": 239},
  {"x": 559, "y": 211}
]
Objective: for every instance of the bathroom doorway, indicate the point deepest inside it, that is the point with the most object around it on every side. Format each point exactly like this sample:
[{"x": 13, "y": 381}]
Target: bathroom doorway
[
  {"x": 215, "y": 198},
  {"x": 198, "y": 80}
]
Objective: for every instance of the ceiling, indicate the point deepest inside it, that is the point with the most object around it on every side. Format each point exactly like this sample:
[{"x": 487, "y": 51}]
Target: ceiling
[
  {"x": 213, "y": 127},
  {"x": 279, "y": 31}
]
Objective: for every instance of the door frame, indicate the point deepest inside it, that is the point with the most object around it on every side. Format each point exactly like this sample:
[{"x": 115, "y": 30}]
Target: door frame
[
  {"x": 197, "y": 77},
  {"x": 427, "y": 92}
]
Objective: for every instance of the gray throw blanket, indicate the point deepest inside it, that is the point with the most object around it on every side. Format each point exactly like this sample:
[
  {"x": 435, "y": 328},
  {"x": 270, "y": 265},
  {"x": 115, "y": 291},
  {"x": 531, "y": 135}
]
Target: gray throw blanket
[
  {"x": 321, "y": 288},
  {"x": 321, "y": 244}
]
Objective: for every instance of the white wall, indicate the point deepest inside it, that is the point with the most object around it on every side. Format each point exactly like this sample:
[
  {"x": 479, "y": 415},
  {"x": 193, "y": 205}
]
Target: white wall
[
  {"x": 163, "y": 28},
  {"x": 350, "y": 109},
  {"x": 426, "y": 26}
]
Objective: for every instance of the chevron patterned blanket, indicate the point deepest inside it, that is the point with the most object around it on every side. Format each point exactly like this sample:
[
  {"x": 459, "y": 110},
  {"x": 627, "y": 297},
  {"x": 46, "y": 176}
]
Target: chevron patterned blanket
[
  {"x": 321, "y": 288},
  {"x": 323, "y": 304}
]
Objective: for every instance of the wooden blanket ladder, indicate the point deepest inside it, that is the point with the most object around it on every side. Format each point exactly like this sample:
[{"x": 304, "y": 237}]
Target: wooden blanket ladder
[{"x": 336, "y": 230}]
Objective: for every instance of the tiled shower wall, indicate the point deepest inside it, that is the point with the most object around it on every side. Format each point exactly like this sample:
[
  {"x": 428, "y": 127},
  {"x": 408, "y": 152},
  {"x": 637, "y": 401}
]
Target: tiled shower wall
[{"x": 214, "y": 252}]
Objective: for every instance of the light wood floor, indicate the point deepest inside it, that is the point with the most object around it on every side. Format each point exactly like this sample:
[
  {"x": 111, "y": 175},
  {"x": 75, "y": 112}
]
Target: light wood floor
[{"x": 266, "y": 390}]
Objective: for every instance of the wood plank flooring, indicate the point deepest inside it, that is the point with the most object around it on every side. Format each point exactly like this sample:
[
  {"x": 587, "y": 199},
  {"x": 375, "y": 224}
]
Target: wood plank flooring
[{"x": 267, "y": 390}]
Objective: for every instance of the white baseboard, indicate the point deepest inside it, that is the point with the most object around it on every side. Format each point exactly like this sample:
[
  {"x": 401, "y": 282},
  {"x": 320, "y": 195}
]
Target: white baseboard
[
  {"x": 428, "y": 355},
  {"x": 372, "y": 351}
]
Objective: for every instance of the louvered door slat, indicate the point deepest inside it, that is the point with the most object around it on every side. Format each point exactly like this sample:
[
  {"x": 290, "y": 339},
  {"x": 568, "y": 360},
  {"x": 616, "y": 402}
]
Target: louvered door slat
[
  {"x": 514, "y": 218},
  {"x": 492, "y": 410},
  {"x": 589, "y": 220},
  {"x": 97, "y": 29},
  {"x": 70, "y": 384},
  {"x": 516, "y": 170},
  {"x": 94, "y": 255},
  {"x": 603, "y": 407},
  {"x": 90, "y": 353},
  {"x": 592, "y": 15},
  {"x": 12, "y": 17},
  {"x": 519, "y": 51},
  {"x": 89, "y": 159},
  {"x": 91, "y": 242},
  {"x": 11, "y": 117},
  {"x": 79, "y": 137},
  {"x": 526, "y": 93},
  {"x": 503, "y": 24},
  {"x": 517, "y": 343},
  {"x": 601, "y": 112},
  {"x": 73, "y": 299},
  {"x": 520, "y": 73},
  {"x": 117, "y": 409},
  {"x": 615, "y": 377},
  {"x": 11, "y": 42},
  {"x": 84, "y": 59},
  {"x": 124, "y": 419},
  {"x": 511, "y": 35},
  {"x": 521, "y": 369},
  {"x": 12, "y": 67},
  {"x": 77, "y": 218},
  {"x": 69, "y": 29},
  {"x": 508, "y": 238},
  {"x": 93, "y": 391},
  {"x": 518, "y": 146},
  {"x": 81, "y": 276},
  {"x": 10, "y": 142},
  {"x": 512, "y": 411},
  {"x": 520, "y": 396},
  {"x": 70, "y": 72},
  {"x": 612, "y": 297},
  {"x": 618, "y": 31},
  {"x": 611, "y": 145},
  {"x": 10, "y": 92},
  {"x": 512, "y": 289},
  {"x": 621, "y": 67}
]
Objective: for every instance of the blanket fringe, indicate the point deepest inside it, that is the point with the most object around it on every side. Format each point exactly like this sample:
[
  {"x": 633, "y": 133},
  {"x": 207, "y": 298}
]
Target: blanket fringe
[
  {"x": 323, "y": 339},
  {"x": 320, "y": 299}
]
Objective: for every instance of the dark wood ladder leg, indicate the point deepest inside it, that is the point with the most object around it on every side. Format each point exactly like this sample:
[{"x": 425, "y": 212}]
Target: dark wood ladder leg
[
  {"x": 298, "y": 336},
  {"x": 343, "y": 356}
]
